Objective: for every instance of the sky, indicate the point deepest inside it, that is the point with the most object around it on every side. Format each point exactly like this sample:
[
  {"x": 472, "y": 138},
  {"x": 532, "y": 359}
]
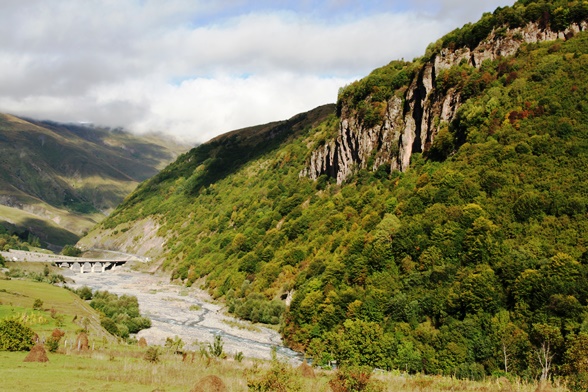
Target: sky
[{"x": 194, "y": 69}]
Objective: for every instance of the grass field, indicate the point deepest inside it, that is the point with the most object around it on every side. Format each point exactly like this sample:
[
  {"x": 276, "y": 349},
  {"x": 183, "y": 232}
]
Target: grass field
[
  {"x": 112, "y": 370},
  {"x": 60, "y": 309}
]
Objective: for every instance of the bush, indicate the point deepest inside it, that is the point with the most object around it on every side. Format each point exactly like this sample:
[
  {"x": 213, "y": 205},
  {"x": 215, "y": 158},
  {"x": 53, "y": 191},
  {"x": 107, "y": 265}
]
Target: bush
[
  {"x": 71, "y": 250},
  {"x": 84, "y": 293},
  {"x": 15, "y": 336},
  {"x": 354, "y": 378},
  {"x": 152, "y": 354},
  {"x": 279, "y": 377},
  {"x": 110, "y": 326},
  {"x": 38, "y": 304},
  {"x": 216, "y": 348},
  {"x": 52, "y": 343}
]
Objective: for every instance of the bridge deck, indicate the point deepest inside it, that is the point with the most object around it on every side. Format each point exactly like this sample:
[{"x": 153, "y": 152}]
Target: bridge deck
[{"x": 77, "y": 264}]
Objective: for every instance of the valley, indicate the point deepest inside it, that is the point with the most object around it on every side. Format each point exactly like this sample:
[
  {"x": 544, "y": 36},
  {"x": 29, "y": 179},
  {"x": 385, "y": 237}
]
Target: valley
[
  {"x": 65, "y": 178},
  {"x": 432, "y": 224}
]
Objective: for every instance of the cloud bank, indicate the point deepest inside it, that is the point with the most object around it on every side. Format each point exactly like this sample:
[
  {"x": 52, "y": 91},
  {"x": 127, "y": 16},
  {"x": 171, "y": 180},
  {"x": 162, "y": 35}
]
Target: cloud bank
[{"x": 195, "y": 69}]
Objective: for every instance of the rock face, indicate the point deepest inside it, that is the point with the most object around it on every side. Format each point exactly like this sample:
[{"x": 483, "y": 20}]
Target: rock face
[{"x": 411, "y": 124}]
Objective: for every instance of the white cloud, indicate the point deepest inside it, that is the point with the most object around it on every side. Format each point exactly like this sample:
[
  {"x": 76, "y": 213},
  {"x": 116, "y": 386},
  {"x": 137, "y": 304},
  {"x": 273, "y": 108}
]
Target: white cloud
[{"x": 197, "y": 68}]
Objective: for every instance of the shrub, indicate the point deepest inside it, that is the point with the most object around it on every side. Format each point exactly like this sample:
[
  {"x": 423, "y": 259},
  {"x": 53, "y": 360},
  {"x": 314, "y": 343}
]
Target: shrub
[
  {"x": 152, "y": 354},
  {"x": 84, "y": 293},
  {"x": 216, "y": 348},
  {"x": 279, "y": 377},
  {"x": 71, "y": 250},
  {"x": 110, "y": 326},
  {"x": 15, "y": 336},
  {"x": 354, "y": 378},
  {"x": 38, "y": 304},
  {"x": 52, "y": 342}
]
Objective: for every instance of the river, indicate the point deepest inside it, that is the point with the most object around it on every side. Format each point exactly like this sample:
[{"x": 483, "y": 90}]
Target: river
[{"x": 188, "y": 313}]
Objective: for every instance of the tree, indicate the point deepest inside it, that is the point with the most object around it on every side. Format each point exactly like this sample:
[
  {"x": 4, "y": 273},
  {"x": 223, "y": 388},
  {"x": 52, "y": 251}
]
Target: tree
[
  {"x": 547, "y": 340},
  {"x": 476, "y": 291},
  {"x": 409, "y": 357},
  {"x": 576, "y": 359},
  {"x": 15, "y": 336},
  {"x": 508, "y": 337},
  {"x": 362, "y": 343}
]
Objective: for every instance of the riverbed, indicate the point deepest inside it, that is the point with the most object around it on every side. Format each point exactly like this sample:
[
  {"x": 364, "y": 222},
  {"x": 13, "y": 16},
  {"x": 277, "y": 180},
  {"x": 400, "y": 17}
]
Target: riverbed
[{"x": 188, "y": 313}]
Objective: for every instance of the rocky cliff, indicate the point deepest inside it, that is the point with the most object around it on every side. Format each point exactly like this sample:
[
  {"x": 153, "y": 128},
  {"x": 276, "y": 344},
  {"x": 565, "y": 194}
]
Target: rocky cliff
[{"x": 411, "y": 121}]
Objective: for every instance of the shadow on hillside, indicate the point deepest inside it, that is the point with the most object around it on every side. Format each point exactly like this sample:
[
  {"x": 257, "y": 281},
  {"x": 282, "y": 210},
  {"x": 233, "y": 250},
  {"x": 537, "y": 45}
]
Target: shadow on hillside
[
  {"x": 51, "y": 236},
  {"x": 226, "y": 154}
]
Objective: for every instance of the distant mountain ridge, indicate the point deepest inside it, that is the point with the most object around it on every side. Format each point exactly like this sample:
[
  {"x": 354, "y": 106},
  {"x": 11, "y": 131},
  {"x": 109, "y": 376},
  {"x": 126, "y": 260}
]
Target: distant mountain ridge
[{"x": 71, "y": 175}]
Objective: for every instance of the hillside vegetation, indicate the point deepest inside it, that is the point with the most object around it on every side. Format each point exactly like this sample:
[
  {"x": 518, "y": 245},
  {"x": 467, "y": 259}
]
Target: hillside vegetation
[
  {"x": 472, "y": 262},
  {"x": 59, "y": 180}
]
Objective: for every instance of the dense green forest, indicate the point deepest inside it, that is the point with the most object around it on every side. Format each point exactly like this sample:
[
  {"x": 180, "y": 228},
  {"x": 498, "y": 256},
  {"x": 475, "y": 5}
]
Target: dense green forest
[{"x": 472, "y": 262}]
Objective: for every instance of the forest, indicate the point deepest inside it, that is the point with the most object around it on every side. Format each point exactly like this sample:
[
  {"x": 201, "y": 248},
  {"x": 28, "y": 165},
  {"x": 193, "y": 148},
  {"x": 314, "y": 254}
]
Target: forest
[{"x": 473, "y": 262}]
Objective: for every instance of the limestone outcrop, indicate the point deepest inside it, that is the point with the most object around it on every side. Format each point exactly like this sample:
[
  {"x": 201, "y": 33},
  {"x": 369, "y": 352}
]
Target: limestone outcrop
[{"x": 410, "y": 124}]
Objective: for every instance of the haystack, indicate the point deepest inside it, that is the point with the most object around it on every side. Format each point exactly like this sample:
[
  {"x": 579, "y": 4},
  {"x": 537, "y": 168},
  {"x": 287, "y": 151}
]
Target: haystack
[
  {"x": 37, "y": 354},
  {"x": 504, "y": 385},
  {"x": 142, "y": 342},
  {"x": 210, "y": 384},
  {"x": 82, "y": 341},
  {"x": 306, "y": 370},
  {"x": 544, "y": 386}
]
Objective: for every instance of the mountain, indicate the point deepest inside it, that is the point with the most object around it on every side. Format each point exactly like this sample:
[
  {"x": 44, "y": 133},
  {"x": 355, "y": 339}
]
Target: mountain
[
  {"x": 434, "y": 221},
  {"x": 59, "y": 180}
]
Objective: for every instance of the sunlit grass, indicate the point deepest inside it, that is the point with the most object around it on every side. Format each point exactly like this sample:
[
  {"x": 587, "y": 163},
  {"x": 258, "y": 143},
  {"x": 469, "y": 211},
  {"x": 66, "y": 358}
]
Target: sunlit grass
[
  {"x": 125, "y": 369},
  {"x": 60, "y": 309}
]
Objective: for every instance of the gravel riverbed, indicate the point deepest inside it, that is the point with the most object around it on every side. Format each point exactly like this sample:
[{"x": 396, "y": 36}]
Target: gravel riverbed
[{"x": 188, "y": 313}]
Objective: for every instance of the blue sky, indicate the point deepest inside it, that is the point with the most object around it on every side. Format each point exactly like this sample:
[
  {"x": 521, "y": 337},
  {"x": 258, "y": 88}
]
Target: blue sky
[{"x": 195, "y": 68}]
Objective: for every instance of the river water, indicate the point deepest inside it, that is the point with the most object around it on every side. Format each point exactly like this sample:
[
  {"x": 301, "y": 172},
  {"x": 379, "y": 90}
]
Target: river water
[{"x": 188, "y": 313}]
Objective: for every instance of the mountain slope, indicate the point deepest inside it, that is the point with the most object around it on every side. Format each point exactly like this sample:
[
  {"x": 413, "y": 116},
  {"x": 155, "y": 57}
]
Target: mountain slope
[
  {"x": 428, "y": 237},
  {"x": 70, "y": 175}
]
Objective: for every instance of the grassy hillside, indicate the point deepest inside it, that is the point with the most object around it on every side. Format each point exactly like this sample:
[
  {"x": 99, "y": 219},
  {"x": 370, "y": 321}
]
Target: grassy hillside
[
  {"x": 70, "y": 176},
  {"x": 472, "y": 262},
  {"x": 60, "y": 309}
]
